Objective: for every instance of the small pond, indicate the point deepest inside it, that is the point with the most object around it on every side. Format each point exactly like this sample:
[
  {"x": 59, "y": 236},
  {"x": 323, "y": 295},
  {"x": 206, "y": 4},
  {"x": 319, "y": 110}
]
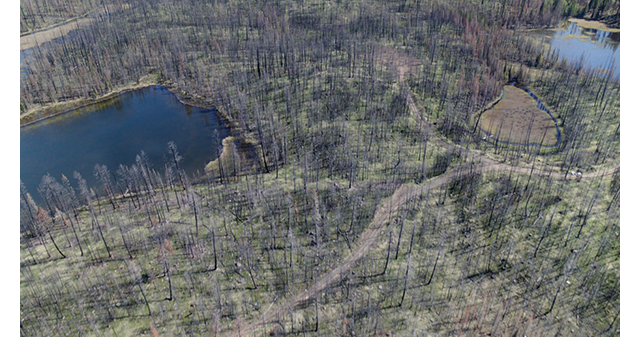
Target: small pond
[
  {"x": 114, "y": 132},
  {"x": 520, "y": 118},
  {"x": 600, "y": 48}
]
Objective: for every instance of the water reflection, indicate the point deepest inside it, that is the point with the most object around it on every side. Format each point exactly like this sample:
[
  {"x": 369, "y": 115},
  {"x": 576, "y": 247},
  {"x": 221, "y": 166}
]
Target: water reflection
[
  {"x": 114, "y": 132},
  {"x": 598, "y": 49}
]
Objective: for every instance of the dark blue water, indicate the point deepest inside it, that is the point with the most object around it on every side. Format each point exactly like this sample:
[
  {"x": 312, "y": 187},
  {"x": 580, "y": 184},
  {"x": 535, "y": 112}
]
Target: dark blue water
[
  {"x": 113, "y": 133},
  {"x": 596, "y": 48}
]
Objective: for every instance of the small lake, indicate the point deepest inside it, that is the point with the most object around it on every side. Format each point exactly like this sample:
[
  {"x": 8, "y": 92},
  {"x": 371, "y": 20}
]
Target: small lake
[
  {"x": 598, "y": 47},
  {"x": 114, "y": 132}
]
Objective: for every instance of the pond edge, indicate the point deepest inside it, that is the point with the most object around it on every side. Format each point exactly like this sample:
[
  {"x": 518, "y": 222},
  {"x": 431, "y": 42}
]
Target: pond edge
[
  {"x": 245, "y": 143},
  {"x": 475, "y": 119}
]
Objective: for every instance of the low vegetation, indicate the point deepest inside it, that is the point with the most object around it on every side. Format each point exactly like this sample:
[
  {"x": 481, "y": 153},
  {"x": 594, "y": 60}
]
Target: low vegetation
[{"x": 369, "y": 204}]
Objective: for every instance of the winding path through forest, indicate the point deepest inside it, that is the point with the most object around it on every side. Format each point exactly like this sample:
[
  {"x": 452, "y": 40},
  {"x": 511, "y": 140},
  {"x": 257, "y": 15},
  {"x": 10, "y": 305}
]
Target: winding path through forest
[{"x": 368, "y": 238}]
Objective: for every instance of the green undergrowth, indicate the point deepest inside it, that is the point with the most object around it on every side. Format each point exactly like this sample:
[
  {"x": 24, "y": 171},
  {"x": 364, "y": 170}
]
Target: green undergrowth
[{"x": 493, "y": 275}]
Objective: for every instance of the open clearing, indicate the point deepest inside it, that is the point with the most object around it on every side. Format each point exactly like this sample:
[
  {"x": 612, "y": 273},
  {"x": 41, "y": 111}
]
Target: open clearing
[
  {"x": 38, "y": 38},
  {"x": 516, "y": 119}
]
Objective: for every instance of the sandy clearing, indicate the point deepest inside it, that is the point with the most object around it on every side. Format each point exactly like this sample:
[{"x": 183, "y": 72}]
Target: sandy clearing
[
  {"x": 517, "y": 119},
  {"x": 40, "y": 37}
]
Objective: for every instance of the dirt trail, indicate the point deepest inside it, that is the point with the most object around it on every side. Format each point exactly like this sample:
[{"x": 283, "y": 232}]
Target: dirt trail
[
  {"x": 268, "y": 318},
  {"x": 40, "y": 36},
  {"x": 423, "y": 123},
  {"x": 37, "y": 38},
  {"x": 487, "y": 162},
  {"x": 370, "y": 236},
  {"x": 492, "y": 165},
  {"x": 367, "y": 241}
]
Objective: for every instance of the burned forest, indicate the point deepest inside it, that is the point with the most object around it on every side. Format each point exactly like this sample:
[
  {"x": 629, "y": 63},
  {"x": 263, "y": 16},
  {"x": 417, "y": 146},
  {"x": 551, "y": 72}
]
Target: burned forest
[{"x": 337, "y": 168}]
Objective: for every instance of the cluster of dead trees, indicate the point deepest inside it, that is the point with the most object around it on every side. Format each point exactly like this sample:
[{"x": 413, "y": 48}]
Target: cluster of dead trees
[
  {"x": 322, "y": 91},
  {"x": 158, "y": 226},
  {"x": 232, "y": 54},
  {"x": 604, "y": 10},
  {"x": 520, "y": 257},
  {"x": 40, "y": 14},
  {"x": 475, "y": 255}
]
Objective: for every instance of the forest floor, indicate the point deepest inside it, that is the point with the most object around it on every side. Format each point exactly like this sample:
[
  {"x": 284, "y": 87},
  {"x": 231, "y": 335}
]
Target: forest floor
[
  {"x": 277, "y": 228},
  {"x": 366, "y": 242},
  {"x": 369, "y": 238},
  {"x": 36, "y": 38},
  {"x": 268, "y": 317}
]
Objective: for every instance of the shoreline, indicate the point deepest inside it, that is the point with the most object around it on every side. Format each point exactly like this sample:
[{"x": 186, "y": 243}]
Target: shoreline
[
  {"x": 215, "y": 164},
  {"x": 56, "y": 25},
  {"x": 475, "y": 119},
  {"x": 55, "y": 109},
  {"x": 244, "y": 143},
  {"x": 584, "y": 23},
  {"x": 594, "y": 24}
]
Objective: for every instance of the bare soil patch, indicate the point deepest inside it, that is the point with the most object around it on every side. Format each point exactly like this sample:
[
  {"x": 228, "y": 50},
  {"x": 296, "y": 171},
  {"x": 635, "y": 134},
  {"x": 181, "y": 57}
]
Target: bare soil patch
[
  {"x": 402, "y": 62},
  {"x": 516, "y": 119},
  {"x": 591, "y": 24},
  {"x": 38, "y": 38}
]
